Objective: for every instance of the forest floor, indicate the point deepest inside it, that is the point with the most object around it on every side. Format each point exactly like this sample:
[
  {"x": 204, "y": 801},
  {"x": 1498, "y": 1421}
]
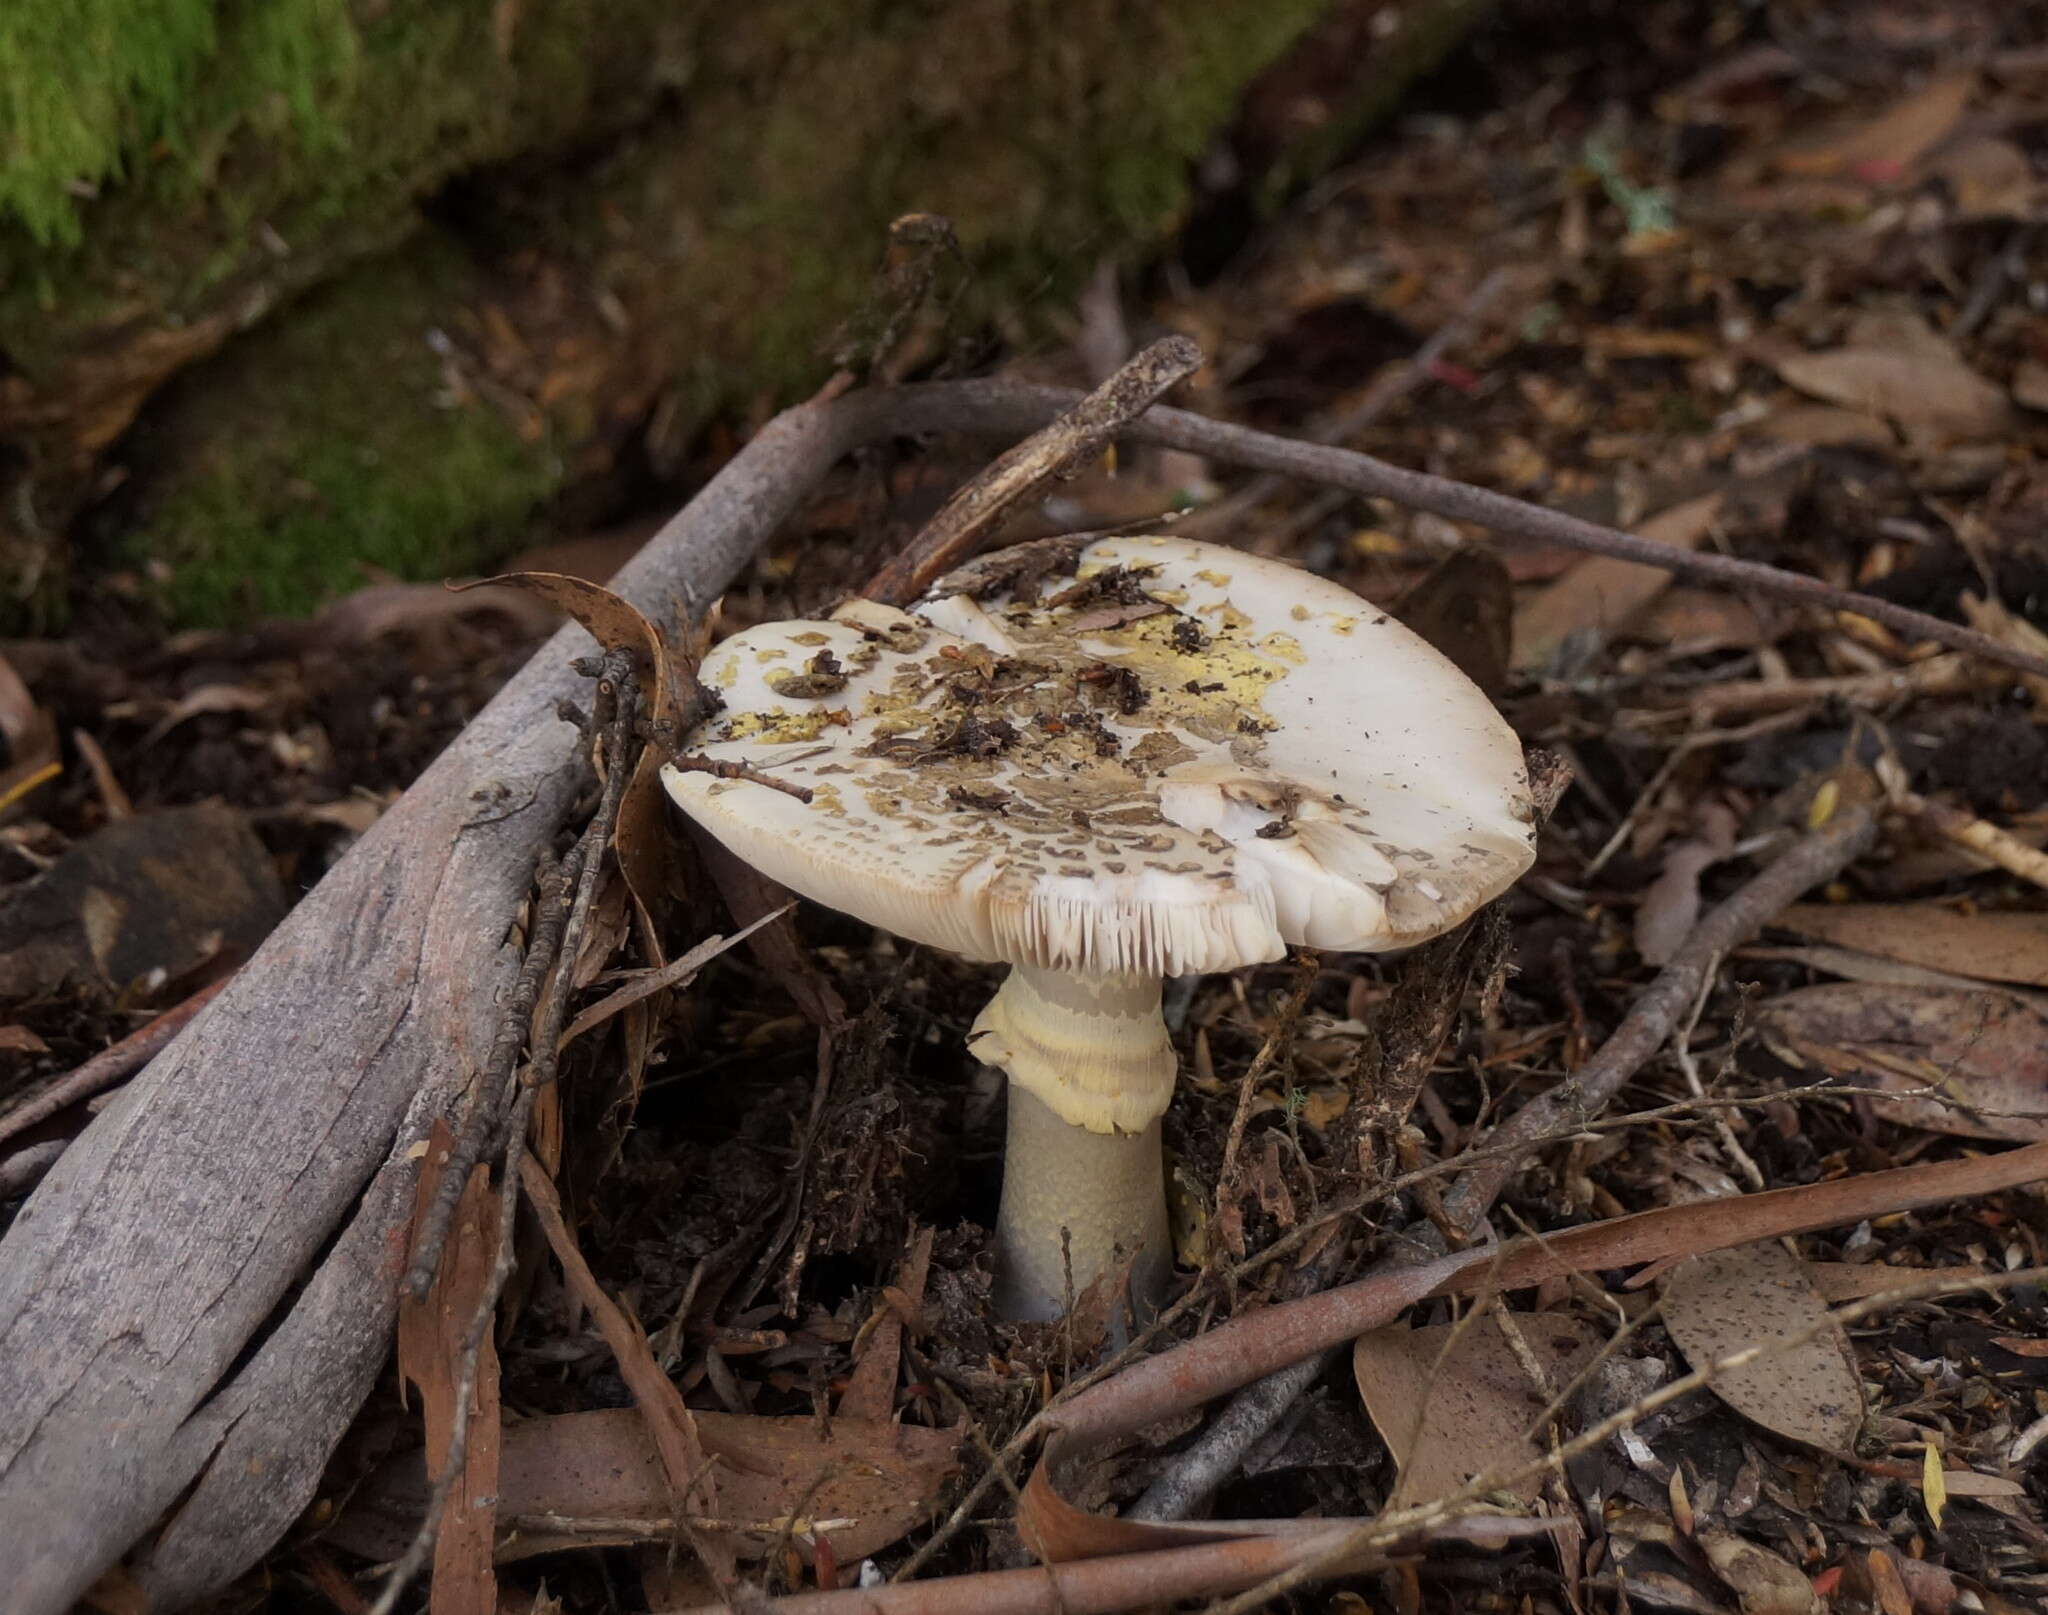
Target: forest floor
[{"x": 1769, "y": 283}]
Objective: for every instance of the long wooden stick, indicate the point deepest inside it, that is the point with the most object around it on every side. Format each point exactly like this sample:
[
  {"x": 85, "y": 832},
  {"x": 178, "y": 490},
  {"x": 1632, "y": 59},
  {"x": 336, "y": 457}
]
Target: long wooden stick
[{"x": 968, "y": 520}]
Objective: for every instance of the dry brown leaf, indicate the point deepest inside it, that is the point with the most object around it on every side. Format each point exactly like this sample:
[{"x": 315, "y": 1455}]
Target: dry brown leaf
[
  {"x": 208, "y": 698},
  {"x": 1602, "y": 594},
  {"x": 1449, "y": 1418},
  {"x": 1918, "y": 389},
  {"x": 1853, "y": 965},
  {"x": 1879, "y": 150},
  {"x": 166, "y": 892},
  {"x": 1988, "y": 177},
  {"x": 1659, "y": 1589},
  {"x": 2030, "y": 384},
  {"x": 430, "y": 1344},
  {"x": 1989, "y": 947},
  {"x": 1981, "y": 1056},
  {"x": 1762, "y": 1581},
  {"x": 871, "y": 1388},
  {"x": 881, "y": 1479},
  {"x": 613, "y": 622},
  {"x": 1671, "y": 903},
  {"x": 1694, "y": 621},
  {"x": 1718, "y": 1304},
  {"x": 1825, "y": 426},
  {"x": 28, "y": 739},
  {"x": 1887, "y": 1585},
  {"x": 643, "y": 841},
  {"x": 1464, "y": 606},
  {"x": 1256, "y": 1343},
  {"x": 388, "y": 608},
  {"x": 1974, "y": 1483},
  {"x": 690, "y": 1483},
  {"x": 1931, "y": 1588}
]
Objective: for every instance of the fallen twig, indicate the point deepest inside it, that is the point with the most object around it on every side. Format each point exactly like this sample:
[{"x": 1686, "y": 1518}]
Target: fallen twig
[
  {"x": 1256, "y": 1343},
  {"x": 109, "y": 1066},
  {"x": 1080, "y": 433},
  {"x": 1657, "y": 1010},
  {"x": 1980, "y": 836},
  {"x": 1387, "y": 390},
  {"x": 692, "y": 1479},
  {"x": 491, "y": 1094}
]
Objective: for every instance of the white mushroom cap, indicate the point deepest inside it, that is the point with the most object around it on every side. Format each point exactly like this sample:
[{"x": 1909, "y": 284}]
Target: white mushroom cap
[{"x": 1183, "y": 761}]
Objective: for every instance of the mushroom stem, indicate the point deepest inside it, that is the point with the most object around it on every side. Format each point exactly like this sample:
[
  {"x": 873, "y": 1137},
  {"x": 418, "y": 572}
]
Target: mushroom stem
[
  {"x": 1091, "y": 1072},
  {"x": 1103, "y": 1191}
]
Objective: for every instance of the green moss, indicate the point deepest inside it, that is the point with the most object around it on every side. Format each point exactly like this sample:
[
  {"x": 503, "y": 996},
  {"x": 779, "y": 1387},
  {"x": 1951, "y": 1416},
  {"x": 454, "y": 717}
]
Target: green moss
[
  {"x": 326, "y": 447},
  {"x": 89, "y": 87},
  {"x": 734, "y": 234},
  {"x": 258, "y": 144}
]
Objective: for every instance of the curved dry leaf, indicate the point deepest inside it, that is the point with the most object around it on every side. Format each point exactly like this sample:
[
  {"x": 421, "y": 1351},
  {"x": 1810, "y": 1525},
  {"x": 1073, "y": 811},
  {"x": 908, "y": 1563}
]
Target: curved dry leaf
[
  {"x": 1447, "y": 1418},
  {"x": 29, "y": 755},
  {"x": 1670, "y": 904},
  {"x": 1970, "y": 1063},
  {"x": 615, "y": 623},
  {"x": 1879, "y": 149},
  {"x": 1990, "y": 947},
  {"x": 1988, "y": 177},
  {"x": 571, "y": 1475},
  {"x": 1824, "y": 426},
  {"x": 378, "y": 609},
  {"x": 208, "y": 698},
  {"x": 1603, "y": 594},
  {"x": 1719, "y": 1304},
  {"x": 1851, "y": 965},
  {"x": 1915, "y": 388},
  {"x": 1763, "y": 1582},
  {"x": 642, "y": 842},
  {"x": 1837, "y": 1282}
]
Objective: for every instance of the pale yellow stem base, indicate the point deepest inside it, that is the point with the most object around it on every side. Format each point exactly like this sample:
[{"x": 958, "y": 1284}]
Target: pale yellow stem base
[
  {"x": 1091, "y": 1072},
  {"x": 1092, "y": 1201}
]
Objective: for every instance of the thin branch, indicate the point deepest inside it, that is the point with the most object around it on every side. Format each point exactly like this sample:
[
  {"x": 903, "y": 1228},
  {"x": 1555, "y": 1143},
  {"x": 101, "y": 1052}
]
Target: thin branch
[
  {"x": 110, "y": 1065},
  {"x": 493, "y": 1090},
  {"x": 453, "y": 1460},
  {"x": 995, "y": 405},
  {"x": 1656, "y": 1012},
  {"x": 1082, "y": 432},
  {"x": 1387, "y": 390},
  {"x": 1196, "y": 1473},
  {"x": 697, "y": 763}
]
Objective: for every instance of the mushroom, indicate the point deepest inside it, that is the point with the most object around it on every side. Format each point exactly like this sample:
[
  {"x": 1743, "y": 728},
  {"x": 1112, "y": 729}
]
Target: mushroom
[{"x": 1102, "y": 764}]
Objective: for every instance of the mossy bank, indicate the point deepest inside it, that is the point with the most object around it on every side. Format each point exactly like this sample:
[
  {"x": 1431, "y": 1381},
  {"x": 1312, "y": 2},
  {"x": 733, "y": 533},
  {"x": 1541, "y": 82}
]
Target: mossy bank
[{"x": 527, "y": 230}]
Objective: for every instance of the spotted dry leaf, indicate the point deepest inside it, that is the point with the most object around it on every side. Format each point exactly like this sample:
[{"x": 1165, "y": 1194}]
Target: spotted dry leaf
[
  {"x": 1718, "y": 1304},
  {"x": 1449, "y": 1417},
  {"x": 1969, "y": 1063}
]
